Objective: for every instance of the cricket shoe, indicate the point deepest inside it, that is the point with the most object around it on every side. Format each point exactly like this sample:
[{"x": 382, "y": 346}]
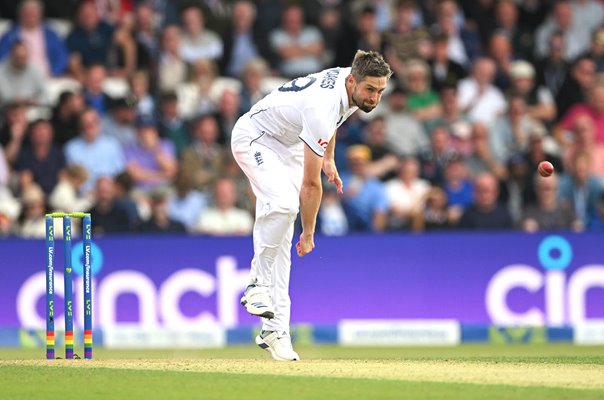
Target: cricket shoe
[
  {"x": 257, "y": 301},
  {"x": 279, "y": 344}
]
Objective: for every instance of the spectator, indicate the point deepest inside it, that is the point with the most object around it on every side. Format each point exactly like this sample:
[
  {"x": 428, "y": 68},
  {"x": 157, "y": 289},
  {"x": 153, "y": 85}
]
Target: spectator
[
  {"x": 482, "y": 159},
  {"x": 150, "y": 161},
  {"x": 198, "y": 43},
  {"x": 548, "y": 213},
  {"x": 580, "y": 139},
  {"x": 464, "y": 43},
  {"x": 596, "y": 223},
  {"x": 580, "y": 190},
  {"x": 32, "y": 223},
  {"x": 348, "y": 134},
  {"x": 434, "y": 159},
  {"x": 127, "y": 54},
  {"x": 457, "y": 123},
  {"x": 185, "y": 205},
  {"x": 7, "y": 228},
  {"x": 434, "y": 215},
  {"x": 330, "y": 24},
  {"x": 553, "y": 68},
  {"x": 384, "y": 163},
  {"x": 245, "y": 195},
  {"x": 166, "y": 12},
  {"x": 41, "y": 161},
  {"x": 171, "y": 125},
  {"x": 587, "y": 14},
  {"x": 114, "y": 13},
  {"x": 242, "y": 43},
  {"x": 539, "y": 100},
  {"x": 445, "y": 72},
  {"x": 596, "y": 51},
  {"x": 268, "y": 16},
  {"x": 204, "y": 74},
  {"x": 576, "y": 86},
  {"x": 501, "y": 52},
  {"x": 486, "y": 212},
  {"x": 331, "y": 220},
  {"x": 172, "y": 68},
  {"x": 507, "y": 22},
  {"x": 224, "y": 219},
  {"x": 20, "y": 79},
  {"x": 10, "y": 207},
  {"x": 481, "y": 15},
  {"x": 365, "y": 201},
  {"x": 406, "y": 194},
  {"x": 108, "y": 217},
  {"x": 422, "y": 101},
  {"x": 66, "y": 195},
  {"x": 94, "y": 95},
  {"x": 252, "y": 75},
  {"x": 228, "y": 113},
  {"x": 100, "y": 155},
  {"x": 139, "y": 89},
  {"x": 65, "y": 116},
  {"x": 160, "y": 221},
  {"x": 539, "y": 150},
  {"x": 119, "y": 122},
  {"x": 216, "y": 14},
  {"x": 510, "y": 132},
  {"x": 48, "y": 52},
  {"x": 362, "y": 34},
  {"x": 204, "y": 160},
  {"x": 298, "y": 46},
  {"x": 125, "y": 200},
  {"x": 89, "y": 41},
  {"x": 13, "y": 133},
  {"x": 517, "y": 191},
  {"x": 593, "y": 108},
  {"x": 458, "y": 187},
  {"x": 482, "y": 101},
  {"x": 4, "y": 171},
  {"x": 405, "y": 136},
  {"x": 146, "y": 32},
  {"x": 576, "y": 37},
  {"x": 402, "y": 41}
]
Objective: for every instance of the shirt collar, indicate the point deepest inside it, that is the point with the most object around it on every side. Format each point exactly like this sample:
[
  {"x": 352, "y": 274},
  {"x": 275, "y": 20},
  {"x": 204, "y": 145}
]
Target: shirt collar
[{"x": 345, "y": 106}]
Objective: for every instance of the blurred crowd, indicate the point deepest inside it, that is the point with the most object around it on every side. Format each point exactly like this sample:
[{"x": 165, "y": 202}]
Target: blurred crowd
[{"x": 124, "y": 108}]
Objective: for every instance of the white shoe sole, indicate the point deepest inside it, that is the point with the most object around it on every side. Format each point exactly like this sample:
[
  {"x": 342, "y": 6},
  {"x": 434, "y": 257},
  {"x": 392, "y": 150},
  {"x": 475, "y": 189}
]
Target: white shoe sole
[
  {"x": 265, "y": 346},
  {"x": 263, "y": 311}
]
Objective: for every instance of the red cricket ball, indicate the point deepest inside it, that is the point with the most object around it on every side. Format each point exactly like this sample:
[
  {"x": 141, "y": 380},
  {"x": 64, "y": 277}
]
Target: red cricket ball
[{"x": 545, "y": 168}]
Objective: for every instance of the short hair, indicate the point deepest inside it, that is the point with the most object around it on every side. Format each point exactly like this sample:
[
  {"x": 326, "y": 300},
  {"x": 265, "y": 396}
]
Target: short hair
[
  {"x": 369, "y": 63},
  {"x": 168, "y": 96},
  {"x": 77, "y": 171},
  {"x": 38, "y": 3}
]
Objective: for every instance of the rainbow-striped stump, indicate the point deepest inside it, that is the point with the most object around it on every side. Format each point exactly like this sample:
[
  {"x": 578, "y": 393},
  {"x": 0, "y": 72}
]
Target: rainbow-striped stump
[{"x": 87, "y": 344}]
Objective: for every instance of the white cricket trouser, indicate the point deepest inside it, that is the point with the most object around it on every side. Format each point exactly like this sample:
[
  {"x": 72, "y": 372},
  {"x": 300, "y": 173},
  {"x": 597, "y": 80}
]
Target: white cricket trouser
[{"x": 276, "y": 183}]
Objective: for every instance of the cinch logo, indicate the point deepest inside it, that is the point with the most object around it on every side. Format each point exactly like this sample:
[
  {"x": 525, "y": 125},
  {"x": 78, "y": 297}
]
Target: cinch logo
[{"x": 564, "y": 299}]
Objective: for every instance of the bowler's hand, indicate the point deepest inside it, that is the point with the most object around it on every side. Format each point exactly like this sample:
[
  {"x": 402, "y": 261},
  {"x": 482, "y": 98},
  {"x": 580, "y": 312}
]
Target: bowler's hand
[
  {"x": 305, "y": 245},
  {"x": 330, "y": 170}
]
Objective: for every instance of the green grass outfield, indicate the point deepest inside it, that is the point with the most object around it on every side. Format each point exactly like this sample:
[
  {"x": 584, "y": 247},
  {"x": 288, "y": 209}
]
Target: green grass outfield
[{"x": 535, "y": 371}]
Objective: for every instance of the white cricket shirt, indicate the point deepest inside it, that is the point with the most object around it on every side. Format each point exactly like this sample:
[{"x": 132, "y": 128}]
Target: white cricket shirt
[{"x": 306, "y": 109}]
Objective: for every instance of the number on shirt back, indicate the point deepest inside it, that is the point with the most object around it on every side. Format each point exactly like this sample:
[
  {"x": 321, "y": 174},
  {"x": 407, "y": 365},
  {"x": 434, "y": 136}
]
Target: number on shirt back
[{"x": 297, "y": 84}]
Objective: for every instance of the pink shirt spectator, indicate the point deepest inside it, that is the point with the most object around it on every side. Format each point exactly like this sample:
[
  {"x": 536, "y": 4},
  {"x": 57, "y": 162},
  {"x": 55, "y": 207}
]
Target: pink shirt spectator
[
  {"x": 34, "y": 39},
  {"x": 583, "y": 109}
]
